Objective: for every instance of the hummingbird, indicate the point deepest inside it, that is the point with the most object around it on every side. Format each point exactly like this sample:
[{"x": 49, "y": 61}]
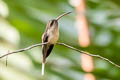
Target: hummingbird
[{"x": 51, "y": 36}]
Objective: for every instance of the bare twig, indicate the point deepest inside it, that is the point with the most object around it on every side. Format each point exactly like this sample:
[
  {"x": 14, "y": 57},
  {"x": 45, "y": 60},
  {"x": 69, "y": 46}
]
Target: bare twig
[
  {"x": 93, "y": 55},
  {"x": 21, "y": 50},
  {"x": 7, "y": 59},
  {"x": 63, "y": 44}
]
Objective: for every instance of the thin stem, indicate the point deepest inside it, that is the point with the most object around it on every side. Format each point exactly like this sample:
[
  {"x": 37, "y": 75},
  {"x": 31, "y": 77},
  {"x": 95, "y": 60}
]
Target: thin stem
[
  {"x": 93, "y": 55},
  {"x": 22, "y": 50},
  {"x": 62, "y": 44}
]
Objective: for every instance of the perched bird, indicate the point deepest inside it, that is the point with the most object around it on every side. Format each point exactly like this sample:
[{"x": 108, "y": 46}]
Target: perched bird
[{"x": 51, "y": 35}]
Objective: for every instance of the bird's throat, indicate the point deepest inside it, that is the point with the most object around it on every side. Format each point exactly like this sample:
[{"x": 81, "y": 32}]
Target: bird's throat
[{"x": 53, "y": 35}]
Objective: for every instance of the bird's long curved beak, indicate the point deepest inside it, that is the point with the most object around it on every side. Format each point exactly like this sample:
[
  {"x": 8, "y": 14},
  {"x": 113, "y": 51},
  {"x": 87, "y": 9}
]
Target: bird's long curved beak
[{"x": 64, "y": 14}]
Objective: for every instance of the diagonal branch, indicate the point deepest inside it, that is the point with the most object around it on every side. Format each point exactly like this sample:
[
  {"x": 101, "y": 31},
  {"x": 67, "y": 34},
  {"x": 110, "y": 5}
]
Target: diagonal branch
[
  {"x": 93, "y": 55},
  {"x": 62, "y": 44},
  {"x": 22, "y": 50}
]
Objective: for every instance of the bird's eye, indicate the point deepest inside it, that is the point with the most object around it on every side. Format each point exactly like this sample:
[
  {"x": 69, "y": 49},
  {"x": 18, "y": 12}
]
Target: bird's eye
[{"x": 51, "y": 23}]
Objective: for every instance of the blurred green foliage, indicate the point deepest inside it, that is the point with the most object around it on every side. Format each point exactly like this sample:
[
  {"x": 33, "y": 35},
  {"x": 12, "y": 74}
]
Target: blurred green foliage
[{"x": 29, "y": 18}]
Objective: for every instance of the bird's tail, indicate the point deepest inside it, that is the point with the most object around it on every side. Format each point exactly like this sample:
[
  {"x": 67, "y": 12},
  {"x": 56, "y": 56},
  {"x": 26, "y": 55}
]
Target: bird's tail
[{"x": 43, "y": 68}]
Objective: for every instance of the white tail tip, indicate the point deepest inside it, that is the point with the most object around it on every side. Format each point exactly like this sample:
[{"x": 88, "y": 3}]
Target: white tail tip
[{"x": 43, "y": 67}]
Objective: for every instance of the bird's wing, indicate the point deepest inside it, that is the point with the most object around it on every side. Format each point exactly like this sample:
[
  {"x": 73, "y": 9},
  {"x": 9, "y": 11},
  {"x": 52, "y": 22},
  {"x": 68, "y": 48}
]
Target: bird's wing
[
  {"x": 44, "y": 37},
  {"x": 46, "y": 48}
]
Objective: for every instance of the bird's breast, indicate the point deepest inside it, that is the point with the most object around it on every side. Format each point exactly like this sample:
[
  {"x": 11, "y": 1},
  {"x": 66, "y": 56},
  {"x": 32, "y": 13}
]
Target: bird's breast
[{"x": 53, "y": 36}]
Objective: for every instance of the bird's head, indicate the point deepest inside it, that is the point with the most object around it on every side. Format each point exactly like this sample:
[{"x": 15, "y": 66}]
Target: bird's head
[{"x": 54, "y": 22}]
